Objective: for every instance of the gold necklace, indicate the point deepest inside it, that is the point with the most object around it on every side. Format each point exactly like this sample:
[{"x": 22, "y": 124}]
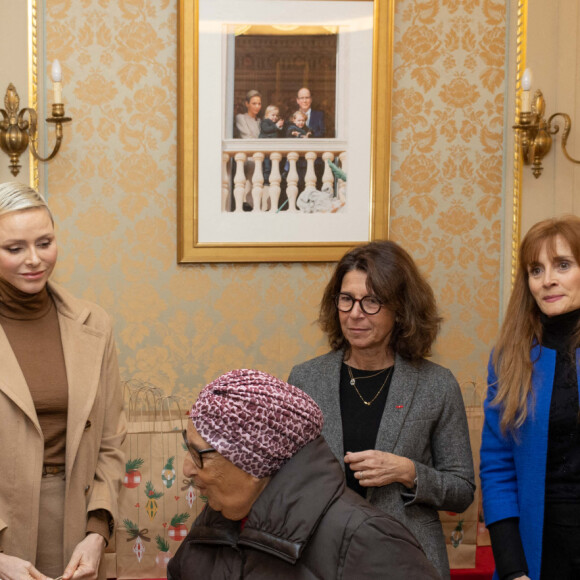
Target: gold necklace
[
  {"x": 353, "y": 383},
  {"x": 352, "y": 379}
]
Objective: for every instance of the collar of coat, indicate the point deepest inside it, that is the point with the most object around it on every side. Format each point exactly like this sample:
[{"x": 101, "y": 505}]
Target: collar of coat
[
  {"x": 284, "y": 517},
  {"x": 67, "y": 305}
]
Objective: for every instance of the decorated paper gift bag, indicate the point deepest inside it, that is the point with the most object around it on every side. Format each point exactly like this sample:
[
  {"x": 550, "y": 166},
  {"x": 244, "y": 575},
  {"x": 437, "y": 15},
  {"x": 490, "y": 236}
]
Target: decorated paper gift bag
[{"x": 157, "y": 504}]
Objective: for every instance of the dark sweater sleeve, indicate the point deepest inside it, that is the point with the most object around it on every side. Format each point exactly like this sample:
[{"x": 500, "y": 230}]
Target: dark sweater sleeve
[
  {"x": 508, "y": 552},
  {"x": 100, "y": 522}
]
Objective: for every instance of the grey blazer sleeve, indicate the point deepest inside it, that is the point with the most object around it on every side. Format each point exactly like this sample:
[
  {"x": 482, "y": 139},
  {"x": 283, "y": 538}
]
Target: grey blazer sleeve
[{"x": 446, "y": 481}]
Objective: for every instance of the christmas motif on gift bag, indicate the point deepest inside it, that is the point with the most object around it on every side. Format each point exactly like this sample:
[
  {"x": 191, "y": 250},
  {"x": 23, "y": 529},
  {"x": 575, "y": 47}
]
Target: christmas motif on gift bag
[
  {"x": 457, "y": 534},
  {"x": 164, "y": 555},
  {"x": 189, "y": 489},
  {"x": 138, "y": 535},
  {"x": 168, "y": 473},
  {"x": 177, "y": 528},
  {"x": 151, "y": 506},
  {"x": 132, "y": 474}
]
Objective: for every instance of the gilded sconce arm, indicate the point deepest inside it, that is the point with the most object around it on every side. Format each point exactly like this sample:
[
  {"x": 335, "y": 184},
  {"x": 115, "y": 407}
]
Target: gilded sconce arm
[{"x": 565, "y": 133}]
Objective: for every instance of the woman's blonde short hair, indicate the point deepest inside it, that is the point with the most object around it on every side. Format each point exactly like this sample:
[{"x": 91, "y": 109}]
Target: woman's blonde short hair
[{"x": 16, "y": 196}]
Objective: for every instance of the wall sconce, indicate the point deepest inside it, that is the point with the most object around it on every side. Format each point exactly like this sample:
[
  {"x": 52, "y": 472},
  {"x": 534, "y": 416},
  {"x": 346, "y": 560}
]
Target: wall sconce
[
  {"x": 16, "y": 132},
  {"x": 534, "y": 132}
]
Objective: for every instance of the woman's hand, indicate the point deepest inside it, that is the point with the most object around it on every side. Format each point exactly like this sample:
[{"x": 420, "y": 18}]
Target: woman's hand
[
  {"x": 12, "y": 568},
  {"x": 86, "y": 557},
  {"x": 377, "y": 468}
]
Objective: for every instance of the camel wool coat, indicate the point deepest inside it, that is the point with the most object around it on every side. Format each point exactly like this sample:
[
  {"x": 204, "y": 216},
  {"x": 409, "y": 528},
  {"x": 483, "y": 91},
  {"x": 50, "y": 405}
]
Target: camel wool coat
[{"x": 95, "y": 430}]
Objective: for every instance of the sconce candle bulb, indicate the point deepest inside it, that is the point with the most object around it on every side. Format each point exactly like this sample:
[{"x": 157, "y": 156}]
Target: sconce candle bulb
[
  {"x": 56, "y": 73},
  {"x": 526, "y": 79},
  {"x": 526, "y": 86}
]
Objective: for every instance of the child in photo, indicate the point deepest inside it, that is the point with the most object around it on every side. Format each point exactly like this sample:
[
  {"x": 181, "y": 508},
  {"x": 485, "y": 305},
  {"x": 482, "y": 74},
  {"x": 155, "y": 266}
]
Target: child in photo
[
  {"x": 298, "y": 128},
  {"x": 271, "y": 123},
  {"x": 271, "y": 128}
]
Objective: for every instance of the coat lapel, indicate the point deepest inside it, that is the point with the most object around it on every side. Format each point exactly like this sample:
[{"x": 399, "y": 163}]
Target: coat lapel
[
  {"x": 83, "y": 353},
  {"x": 329, "y": 403},
  {"x": 12, "y": 381},
  {"x": 399, "y": 399}
]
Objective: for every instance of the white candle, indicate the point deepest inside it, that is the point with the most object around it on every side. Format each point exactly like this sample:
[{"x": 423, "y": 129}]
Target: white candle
[
  {"x": 56, "y": 74},
  {"x": 526, "y": 85}
]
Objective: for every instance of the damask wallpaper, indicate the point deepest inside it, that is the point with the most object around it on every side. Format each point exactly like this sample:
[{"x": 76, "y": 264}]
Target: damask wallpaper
[{"x": 113, "y": 192}]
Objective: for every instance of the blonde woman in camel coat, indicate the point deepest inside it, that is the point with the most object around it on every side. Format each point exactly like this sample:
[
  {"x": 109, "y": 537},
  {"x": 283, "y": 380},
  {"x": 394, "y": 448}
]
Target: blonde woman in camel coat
[{"x": 95, "y": 429}]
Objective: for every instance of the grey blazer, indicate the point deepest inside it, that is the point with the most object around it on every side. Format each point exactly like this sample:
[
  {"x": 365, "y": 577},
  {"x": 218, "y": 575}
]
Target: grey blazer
[{"x": 424, "y": 419}]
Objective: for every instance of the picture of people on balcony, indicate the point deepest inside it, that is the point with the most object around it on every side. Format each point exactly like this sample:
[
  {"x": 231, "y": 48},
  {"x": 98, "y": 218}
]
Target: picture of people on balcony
[{"x": 295, "y": 73}]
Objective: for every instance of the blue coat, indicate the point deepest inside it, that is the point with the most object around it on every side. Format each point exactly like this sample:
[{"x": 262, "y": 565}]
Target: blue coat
[
  {"x": 513, "y": 474},
  {"x": 316, "y": 123}
]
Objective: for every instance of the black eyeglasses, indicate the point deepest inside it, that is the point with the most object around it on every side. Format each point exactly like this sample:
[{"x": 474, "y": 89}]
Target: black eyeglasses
[
  {"x": 196, "y": 454},
  {"x": 368, "y": 304}
]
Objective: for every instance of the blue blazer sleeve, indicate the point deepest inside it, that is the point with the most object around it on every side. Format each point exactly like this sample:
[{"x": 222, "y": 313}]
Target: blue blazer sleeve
[{"x": 499, "y": 484}]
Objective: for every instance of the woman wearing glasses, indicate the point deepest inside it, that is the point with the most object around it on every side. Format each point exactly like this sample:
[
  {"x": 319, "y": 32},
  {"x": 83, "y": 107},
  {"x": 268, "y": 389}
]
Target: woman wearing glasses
[
  {"x": 277, "y": 504},
  {"x": 394, "y": 420}
]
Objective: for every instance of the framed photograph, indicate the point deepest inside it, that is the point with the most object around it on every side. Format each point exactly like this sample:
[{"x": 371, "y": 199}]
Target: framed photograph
[{"x": 284, "y": 128}]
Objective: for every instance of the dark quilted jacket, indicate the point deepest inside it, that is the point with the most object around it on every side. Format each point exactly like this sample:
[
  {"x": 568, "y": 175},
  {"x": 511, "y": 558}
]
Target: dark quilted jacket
[{"x": 305, "y": 525}]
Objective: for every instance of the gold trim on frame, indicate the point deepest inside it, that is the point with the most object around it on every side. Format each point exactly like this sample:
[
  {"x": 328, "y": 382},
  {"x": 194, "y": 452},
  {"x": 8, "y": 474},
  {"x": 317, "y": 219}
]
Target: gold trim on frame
[
  {"x": 33, "y": 79},
  {"x": 521, "y": 41},
  {"x": 188, "y": 247}
]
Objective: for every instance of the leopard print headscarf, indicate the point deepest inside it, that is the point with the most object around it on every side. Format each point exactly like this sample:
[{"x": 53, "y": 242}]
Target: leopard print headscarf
[{"x": 255, "y": 420}]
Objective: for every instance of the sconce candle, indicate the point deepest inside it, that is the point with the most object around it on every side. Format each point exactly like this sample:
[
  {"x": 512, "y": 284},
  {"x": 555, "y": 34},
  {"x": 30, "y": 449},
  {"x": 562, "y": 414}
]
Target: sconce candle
[
  {"x": 16, "y": 132},
  {"x": 56, "y": 74},
  {"x": 526, "y": 86},
  {"x": 534, "y": 132}
]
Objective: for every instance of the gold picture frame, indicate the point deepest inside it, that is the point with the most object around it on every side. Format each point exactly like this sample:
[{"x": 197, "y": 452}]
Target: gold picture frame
[{"x": 190, "y": 248}]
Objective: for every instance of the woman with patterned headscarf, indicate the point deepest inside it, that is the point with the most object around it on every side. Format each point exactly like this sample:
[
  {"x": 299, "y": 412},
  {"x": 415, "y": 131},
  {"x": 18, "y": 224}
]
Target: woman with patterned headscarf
[{"x": 278, "y": 506}]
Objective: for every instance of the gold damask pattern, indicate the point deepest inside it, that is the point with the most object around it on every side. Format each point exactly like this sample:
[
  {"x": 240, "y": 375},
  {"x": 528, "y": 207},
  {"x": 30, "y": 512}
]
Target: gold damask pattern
[
  {"x": 113, "y": 191},
  {"x": 446, "y": 195}
]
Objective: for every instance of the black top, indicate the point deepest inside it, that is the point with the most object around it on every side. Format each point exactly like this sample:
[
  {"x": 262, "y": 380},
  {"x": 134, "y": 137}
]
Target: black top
[
  {"x": 563, "y": 463},
  {"x": 360, "y": 422}
]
